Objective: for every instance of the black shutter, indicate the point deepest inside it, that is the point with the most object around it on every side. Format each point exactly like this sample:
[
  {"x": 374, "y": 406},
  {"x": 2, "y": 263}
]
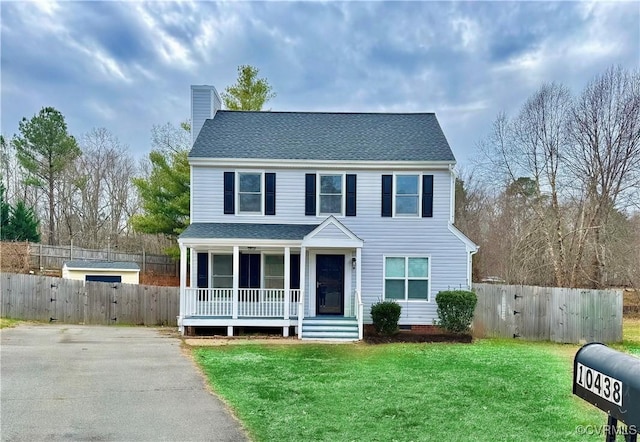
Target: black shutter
[
  {"x": 270, "y": 194},
  {"x": 249, "y": 271},
  {"x": 310, "y": 194},
  {"x": 203, "y": 270},
  {"x": 351, "y": 195},
  {"x": 244, "y": 270},
  {"x": 254, "y": 272},
  {"x": 387, "y": 195},
  {"x": 427, "y": 196},
  {"x": 294, "y": 271},
  {"x": 229, "y": 181}
]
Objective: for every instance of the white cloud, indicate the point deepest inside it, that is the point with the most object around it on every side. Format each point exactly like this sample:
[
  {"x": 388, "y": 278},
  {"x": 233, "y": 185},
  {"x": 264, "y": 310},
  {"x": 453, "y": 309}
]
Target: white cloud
[
  {"x": 172, "y": 52},
  {"x": 128, "y": 65}
]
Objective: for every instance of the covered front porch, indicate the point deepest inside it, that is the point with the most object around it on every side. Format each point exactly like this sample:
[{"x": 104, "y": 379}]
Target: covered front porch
[{"x": 272, "y": 275}]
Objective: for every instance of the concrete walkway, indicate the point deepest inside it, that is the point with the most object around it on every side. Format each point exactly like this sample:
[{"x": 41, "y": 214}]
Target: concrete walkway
[{"x": 91, "y": 383}]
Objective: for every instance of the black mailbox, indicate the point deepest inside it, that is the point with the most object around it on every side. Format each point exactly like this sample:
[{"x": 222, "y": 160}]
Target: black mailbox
[{"x": 610, "y": 380}]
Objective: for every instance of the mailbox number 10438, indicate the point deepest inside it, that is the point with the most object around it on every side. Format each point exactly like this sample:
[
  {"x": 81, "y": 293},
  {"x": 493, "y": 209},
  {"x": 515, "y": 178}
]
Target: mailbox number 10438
[{"x": 604, "y": 386}]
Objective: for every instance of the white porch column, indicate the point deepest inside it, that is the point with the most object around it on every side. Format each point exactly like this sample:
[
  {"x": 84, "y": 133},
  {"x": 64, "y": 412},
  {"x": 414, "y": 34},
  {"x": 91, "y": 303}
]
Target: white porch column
[
  {"x": 359, "y": 270},
  {"x": 236, "y": 280},
  {"x": 193, "y": 270},
  {"x": 303, "y": 272},
  {"x": 287, "y": 283},
  {"x": 183, "y": 284},
  {"x": 359, "y": 309}
]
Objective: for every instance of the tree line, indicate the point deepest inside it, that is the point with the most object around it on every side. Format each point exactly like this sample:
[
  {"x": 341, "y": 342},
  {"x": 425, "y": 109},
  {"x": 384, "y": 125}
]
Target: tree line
[
  {"x": 90, "y": 192},
  {"x": 554, "y": 196}
]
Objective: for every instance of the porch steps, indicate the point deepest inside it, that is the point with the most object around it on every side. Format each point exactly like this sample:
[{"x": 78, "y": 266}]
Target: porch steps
[{"x": 330, "y": 329}]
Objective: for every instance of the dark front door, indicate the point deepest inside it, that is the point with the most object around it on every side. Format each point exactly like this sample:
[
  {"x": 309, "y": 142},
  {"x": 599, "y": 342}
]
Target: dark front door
[{"x": 330, "y": 284}]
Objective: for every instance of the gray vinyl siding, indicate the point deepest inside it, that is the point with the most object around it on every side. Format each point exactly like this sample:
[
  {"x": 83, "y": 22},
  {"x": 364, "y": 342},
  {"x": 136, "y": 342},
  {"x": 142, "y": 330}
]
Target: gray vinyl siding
[
  {"x": 415, "y": 236},
  {"x": 331, "y": 232}
]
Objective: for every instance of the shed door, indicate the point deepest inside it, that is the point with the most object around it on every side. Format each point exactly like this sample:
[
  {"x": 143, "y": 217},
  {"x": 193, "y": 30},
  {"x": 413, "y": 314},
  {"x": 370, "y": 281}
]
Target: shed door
[{"x": 103, "y": 278}]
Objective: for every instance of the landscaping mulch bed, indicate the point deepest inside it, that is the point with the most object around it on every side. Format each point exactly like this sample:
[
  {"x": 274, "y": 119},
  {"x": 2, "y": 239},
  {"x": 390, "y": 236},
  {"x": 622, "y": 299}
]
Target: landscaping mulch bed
[{"x": 412, "y": 337}]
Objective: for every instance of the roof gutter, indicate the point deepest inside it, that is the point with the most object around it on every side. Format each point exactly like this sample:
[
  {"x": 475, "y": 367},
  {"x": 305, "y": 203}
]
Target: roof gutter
[{"x": 324, "y": 164}]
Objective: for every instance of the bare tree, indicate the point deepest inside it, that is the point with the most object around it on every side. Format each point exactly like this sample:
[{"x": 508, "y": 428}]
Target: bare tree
[
  {"x": 528, "y": 151},
  {"x": 104, "y": 174},
  {"x": 574, "y": 165},
  {"x": 605, "y": 158}
]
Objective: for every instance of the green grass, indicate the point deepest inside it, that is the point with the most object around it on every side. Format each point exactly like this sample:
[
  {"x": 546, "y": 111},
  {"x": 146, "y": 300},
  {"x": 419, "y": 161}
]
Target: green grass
[
  {"x": 8, "y": 322},
  {"x": 490, "y": 390},
  {"x": 631, "y": 336}
]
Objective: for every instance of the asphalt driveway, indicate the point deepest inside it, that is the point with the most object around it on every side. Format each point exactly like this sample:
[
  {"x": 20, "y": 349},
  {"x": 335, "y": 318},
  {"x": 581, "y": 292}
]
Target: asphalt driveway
[{"x": 90, "y": 383}]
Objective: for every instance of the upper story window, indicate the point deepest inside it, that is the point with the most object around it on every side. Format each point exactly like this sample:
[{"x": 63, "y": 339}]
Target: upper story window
[
  {"x": 407, "y": 195},
  {"x": 330, "y": 194},
  {"x": 249, "y": 192}
]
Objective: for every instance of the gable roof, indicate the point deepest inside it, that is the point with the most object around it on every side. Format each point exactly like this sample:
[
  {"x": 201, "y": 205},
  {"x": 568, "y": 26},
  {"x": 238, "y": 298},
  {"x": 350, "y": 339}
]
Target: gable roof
[
  {"x": 247, "y": 231},
  {"x": 333, "y": 233},
  {"x": 322, "y": 136},
  {"x": 101, "y": 265}
]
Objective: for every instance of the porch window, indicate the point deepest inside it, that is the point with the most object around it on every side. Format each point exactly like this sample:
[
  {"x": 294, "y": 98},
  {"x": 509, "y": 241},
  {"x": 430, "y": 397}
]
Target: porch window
[
  {"x": 274, "y": 271},
  {"x": 406, "y": 278},
  {"x": 407, "y": 195},
  {"x": 330, "y": 194},
  {"x": 222, "y": 272},
  {"x": 249, "y": 192}
]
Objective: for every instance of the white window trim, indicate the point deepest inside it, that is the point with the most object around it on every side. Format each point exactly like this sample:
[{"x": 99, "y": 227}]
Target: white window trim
[
  {"x": 343, "y": 195},
  {"x": 406, "y": 278},
  {"x": 395, "y": 194},
  {"x": 237, "y": 192}
]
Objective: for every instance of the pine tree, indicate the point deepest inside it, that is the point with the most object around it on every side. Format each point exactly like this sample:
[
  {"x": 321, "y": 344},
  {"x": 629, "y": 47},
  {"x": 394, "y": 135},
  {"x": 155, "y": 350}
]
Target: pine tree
[{"x": 23, "y": 224}]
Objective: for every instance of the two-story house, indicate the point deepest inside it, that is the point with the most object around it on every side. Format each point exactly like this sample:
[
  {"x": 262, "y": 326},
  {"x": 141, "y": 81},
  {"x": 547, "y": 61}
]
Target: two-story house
[{"x": 303, "y": 220}]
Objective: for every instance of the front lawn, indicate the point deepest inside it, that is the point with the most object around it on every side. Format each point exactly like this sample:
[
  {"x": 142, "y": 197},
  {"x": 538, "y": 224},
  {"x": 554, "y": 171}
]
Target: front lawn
[
  {"x": 487, "y": 391},
  {"x": 631, "y": 336}
]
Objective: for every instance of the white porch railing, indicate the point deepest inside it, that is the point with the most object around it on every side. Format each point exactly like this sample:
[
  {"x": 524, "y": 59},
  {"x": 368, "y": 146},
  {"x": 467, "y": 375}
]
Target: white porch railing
[{"x": 252, "y": 303}]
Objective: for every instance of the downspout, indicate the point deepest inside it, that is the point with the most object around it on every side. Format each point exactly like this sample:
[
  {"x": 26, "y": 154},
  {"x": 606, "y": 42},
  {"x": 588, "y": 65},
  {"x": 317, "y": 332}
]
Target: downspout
[
  {"x": 452, "y": 197},
  {"x": 470, "y": 267}
]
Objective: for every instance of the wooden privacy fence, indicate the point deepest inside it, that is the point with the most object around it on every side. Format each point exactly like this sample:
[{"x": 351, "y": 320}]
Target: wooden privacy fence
[
  {"x": 42, "y": 256},
  {"x": 44, "y": 298},
  {"x": 548, "y": 313}
]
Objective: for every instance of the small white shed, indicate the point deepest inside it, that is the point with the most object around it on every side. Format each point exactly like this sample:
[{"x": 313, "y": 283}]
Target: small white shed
[{"x": 105, "y": 271}]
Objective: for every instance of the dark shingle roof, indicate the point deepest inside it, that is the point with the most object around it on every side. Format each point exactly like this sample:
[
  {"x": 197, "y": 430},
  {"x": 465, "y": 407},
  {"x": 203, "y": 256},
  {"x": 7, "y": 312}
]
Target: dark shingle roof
[
  {"x": 86, "y": 264},
  {"x": 322, "y": 136},
  {"x": 247, "y": 231}
]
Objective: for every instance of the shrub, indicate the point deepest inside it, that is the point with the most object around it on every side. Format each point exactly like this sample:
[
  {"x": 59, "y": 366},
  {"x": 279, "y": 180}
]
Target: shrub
[
  {"x": 455, "y": 310},
  {"x": 385, "y": 317}
]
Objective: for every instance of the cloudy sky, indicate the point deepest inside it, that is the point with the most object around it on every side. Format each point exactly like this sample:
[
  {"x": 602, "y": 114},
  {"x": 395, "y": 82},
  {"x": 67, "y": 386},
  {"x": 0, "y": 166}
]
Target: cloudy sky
[{"x": 126, "y": 66}]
